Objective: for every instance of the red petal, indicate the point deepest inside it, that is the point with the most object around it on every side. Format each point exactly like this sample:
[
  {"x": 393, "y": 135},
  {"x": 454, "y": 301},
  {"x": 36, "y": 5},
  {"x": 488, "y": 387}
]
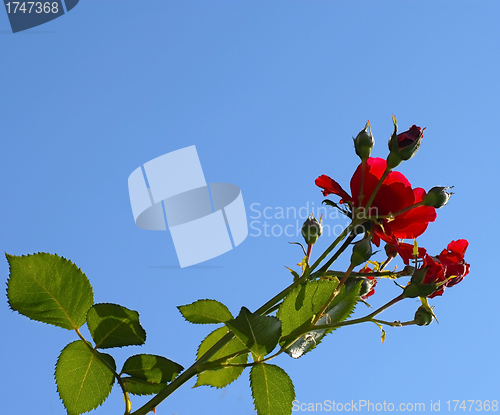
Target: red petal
[
  {"x": 406, "y": 252},
  {"x": 394, "y": 194},
  {"x": 412, "y": 224},
  {"x": 330, "y": 186},
  {"x": 459, "y": 246}
]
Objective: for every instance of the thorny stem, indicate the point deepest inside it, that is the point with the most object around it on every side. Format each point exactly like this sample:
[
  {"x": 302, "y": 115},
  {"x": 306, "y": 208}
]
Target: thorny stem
[
  {"x": 395, "y": 323},
  {"x": 344, "y": 233},
  {"x": 199, "y": 366},
  {"x": 202, "y": 363},
  {"x": 309, "y": 249},
  {"x": 344, "y": 246}
]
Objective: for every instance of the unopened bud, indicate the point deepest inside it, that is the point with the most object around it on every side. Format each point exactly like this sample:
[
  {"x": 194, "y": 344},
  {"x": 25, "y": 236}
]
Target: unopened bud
[
  {"x": 311, "y": 230},
  {"x": 423, "y": 317},
  {"x": 416, "y": 288},
  {"x": 364, "y": 142},
  {"x": 437, "y": 197},
  {"x": 390, "y": 251},
  {"x": 403, "y": 146},
  {"x": 361, "y": 252}
]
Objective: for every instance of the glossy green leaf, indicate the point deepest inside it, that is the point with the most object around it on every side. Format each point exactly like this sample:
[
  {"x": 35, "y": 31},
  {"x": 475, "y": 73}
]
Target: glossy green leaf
[
  {"x": 137, "y": 386},
  {"x": 224, "y": 376},
  {"x": 83, "y": 380},
  {"x": 272, "y": 390},
  {"x": 151, "y": 368},
  {"x": 258, "y": 333},
  {"x": 206, "y": 312},
  {"x": 341, "y": 308},
  {"x": 112, "y": 325},
  {"x": 50, "y": 289},
  {"x": 303, "y": 303}
]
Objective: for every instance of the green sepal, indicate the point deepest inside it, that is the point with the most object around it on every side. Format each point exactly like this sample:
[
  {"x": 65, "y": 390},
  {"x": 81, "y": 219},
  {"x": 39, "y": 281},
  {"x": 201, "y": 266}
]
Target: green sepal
[
  {"x": 113, "y": 325},
  {"x": 84, "y": 377},
  {"x": 49, "y": 288},
  {"x": 272, "y": 390},
  {"x": 413, "y": 290},
  {"x": 222, "y": 376},
  {"x": 205, "y": 312},
  {"x": 258, "y": 333},
  {"x": 296, "y": 276},
  {"x": 151, "y": 368}
]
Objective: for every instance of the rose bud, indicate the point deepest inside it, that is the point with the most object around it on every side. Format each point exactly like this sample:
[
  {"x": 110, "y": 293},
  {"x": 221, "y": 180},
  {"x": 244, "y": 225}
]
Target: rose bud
[
  {"x": 403, "y": 146},
  {"x": 390, "y": 251},
  {"x": 416, "y": 287},
  {"x": 364, "y": 142},
  {"x": 423, "y": 317},
  {"x": 311, "y": 230},
  {"x": 437, "y": 197},
  {"x": 361, "y": 252}
]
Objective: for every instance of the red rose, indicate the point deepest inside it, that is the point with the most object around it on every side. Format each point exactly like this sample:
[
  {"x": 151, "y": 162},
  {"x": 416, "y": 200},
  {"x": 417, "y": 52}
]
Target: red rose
[
  {"x": 448, "y": 267},
  {"x": 394, "y": 195}
]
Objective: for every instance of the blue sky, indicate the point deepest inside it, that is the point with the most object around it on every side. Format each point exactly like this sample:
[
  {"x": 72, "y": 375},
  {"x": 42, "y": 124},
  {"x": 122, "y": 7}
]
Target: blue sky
[{"x": 270, "y": 92}]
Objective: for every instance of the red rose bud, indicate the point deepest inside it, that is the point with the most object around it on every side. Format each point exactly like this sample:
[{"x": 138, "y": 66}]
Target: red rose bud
[
  {"x": 423, "y": 317},
  {"x": 403, "y": 146},
  {"x": 391, "y": 251},
  {"x": 437, "y": 197},
  {"x": 361, "y": 252},
  {"x": 364, "y": 142},
  {"x": 311, "y": 230}
]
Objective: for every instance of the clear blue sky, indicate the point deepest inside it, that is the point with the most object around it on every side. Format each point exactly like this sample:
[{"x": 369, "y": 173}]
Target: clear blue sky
[{"x": 270, "y": 92}]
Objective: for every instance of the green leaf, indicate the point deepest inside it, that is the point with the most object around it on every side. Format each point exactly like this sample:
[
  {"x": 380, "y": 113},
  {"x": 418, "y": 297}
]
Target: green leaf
[
  {"x": 340, "y": 309},
  {"x": 137, "y": 386},
  {"x": 224, "y": 376},
  {"x": 272, "y": 390},
  {"x": 303, "y": 303},
  {"x": 50, "y": 289},
  {"x": 83, "y": 380},
  {"x": 112, "y": 325},
  {"x": 258, "y": 333},
  {"x": 205, "y": 312},
  {"x": 151, "y": 368}
]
